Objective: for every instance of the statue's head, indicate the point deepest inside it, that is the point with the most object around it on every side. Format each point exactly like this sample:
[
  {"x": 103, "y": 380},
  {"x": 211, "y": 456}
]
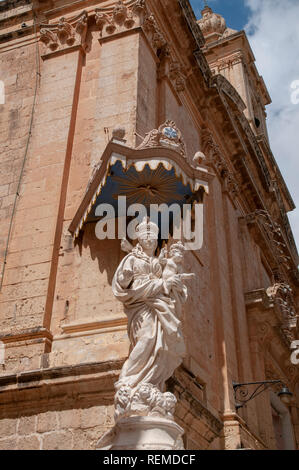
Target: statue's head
[
  {"x": 147, "y": 234},
  {"x": 177, "y": 252},
  {"x": 170, "y": 402},
  {"x": 145, "y": 391}
]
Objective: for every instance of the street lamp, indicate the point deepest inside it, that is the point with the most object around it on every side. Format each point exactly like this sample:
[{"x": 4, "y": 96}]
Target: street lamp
[
  {"x": 243, "y": 395},
  {"x": 285, "y": 395}
]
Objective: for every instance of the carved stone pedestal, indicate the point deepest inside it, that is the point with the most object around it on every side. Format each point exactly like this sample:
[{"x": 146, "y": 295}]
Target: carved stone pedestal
[{"x": 143, "y": 433}]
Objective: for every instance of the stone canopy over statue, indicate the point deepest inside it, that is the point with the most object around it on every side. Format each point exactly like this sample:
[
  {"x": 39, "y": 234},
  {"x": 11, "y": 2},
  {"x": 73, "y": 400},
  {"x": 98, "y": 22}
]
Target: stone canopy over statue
[{"x": 153, "y": 292}]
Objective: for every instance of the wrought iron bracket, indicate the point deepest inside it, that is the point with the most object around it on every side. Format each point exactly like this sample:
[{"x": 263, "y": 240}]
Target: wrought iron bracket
[{"x": 243, "y": 394}]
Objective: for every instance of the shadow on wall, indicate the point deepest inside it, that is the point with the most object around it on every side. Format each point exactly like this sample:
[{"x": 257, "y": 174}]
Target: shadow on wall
[{"x": 108, "y": 253}]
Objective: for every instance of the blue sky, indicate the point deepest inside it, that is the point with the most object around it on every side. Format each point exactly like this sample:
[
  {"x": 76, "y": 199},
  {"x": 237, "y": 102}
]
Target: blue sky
[{"x": 273, "y": 33}]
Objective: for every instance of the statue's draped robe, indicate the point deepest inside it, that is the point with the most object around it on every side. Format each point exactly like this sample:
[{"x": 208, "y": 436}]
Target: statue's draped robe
[{"x": 157, "y": 344}]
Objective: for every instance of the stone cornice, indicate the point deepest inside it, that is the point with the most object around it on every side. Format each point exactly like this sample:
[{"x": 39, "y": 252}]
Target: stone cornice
[
  {"x": 122, "y": 17},
  {"x": 276, "y": 313},
  {"x": 268, "y": 183},
  {"x": 270, "y": 237},
  {"x": 65, "y": 35},
  {"x": 192, "y": 23},
  {"x": 261, "y": 139},
  {"x": 181, "y": 384},
  {"x": 217, "y": 161},
  {"x": 83, "y": 383},
  {"x": 228, "y": 61},
  {"x": 25, "y": 335},
  {"x": 7, "y": 5},
  {"x": 198, "y": 37},
  {"x": 257, "y": 298},
  {"x": 238, "y": 119},
  {"x": 224, "y": 85},
  {"x": 125, "y": 18},
  {"x": 37, "y": 388}
]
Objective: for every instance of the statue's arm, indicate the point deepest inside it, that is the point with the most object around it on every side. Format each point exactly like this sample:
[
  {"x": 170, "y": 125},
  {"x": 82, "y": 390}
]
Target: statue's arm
[{"x": 126, "y": 274}]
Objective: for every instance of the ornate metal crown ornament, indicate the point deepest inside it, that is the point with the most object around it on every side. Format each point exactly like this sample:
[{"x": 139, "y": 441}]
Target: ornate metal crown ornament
[{"x": 167, "y": 135}]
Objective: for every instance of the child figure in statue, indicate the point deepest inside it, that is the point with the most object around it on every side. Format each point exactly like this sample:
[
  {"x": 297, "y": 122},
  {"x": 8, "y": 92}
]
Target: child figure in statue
[{"x": 172, "y": 264}]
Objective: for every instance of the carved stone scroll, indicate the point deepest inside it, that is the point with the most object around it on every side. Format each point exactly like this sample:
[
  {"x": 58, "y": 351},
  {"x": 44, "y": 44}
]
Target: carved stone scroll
[
  {"x": 120, "y": 18},
  {"x": 67, "y": 34}
]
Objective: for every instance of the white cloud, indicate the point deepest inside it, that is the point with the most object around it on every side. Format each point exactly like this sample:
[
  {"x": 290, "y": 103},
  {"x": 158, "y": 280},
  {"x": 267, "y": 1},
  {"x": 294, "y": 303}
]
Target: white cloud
[{"x": 274, "y": 36}]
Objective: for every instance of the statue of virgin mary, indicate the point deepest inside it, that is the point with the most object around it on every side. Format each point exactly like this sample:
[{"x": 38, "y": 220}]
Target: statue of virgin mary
[{"x": 152, "y": 305}]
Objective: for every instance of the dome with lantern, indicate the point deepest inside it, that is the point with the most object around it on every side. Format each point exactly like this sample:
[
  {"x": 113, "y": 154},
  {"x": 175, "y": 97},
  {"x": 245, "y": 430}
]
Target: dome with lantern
[{"x": 213, "y": 25}]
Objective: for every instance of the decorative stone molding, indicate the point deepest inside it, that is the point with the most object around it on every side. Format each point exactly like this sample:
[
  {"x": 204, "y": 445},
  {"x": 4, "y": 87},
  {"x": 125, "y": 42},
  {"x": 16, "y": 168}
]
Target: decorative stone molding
[
  {"x": 171, "y": 69},
  {"x": 261, "y": 319},
  {"x": 153, "y": 33},
  {"x": 280, "y": 298},
  {"x": 288, "y": 253},
  {"x": 20, "y": 335},
  {"x": 192, "y": 23},
  {"x": 203, "y": 65},
  {"x": 231, "y": 186},
  {"x": 227, "y": 62},
  {"x": 169, "y": 66},
  {"x": 286, "y": 223},
  {"x": 215, "y": 158},
  {"x": 272, "y": 235},
  {"x": 279, "y": 182},
  {"x": 167, "y": 135},
  {"x": 265, "y": 332},
  {"x": 226, "y": 87},
  {"x": 212, "y": 151},
  {"x": 281, "y": 294},
  {"x": 255, "y": 146},
  {"x": 289, "y": 374},
  {"x": 231, "y": 435},
  {"x": 120, "y": 18},
  {"x": 177, "y": 76},
  {"x": 190, "y": 404},
  {"x": 67, "y": 34},
  {"x": 238, "y": 118},
  {"x": 55, "y": 384}
]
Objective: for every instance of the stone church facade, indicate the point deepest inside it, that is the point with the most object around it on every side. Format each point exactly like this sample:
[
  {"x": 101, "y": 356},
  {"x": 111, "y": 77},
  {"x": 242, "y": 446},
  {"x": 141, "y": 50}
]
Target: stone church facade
[{"x": 84, "y": 83}]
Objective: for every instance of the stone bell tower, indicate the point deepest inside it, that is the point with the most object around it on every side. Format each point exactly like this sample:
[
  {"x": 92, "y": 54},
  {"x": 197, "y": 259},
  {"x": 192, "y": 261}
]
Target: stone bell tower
[{"x": 229, "y": 53}]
